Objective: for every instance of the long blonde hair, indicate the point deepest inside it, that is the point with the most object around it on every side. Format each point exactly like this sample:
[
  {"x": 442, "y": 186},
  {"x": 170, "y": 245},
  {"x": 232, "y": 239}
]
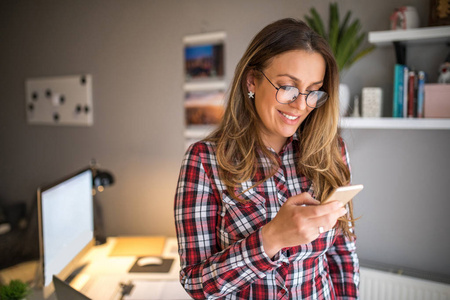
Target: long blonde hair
[{"x": 238, "y": 137}]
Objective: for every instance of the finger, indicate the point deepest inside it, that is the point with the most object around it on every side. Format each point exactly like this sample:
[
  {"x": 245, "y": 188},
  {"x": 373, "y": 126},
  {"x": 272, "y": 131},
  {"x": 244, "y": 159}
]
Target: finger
[
  {"x": 328, "y": 221},
  {"x": 328, "y": 210},
  {"x": 303, "y": 199}
]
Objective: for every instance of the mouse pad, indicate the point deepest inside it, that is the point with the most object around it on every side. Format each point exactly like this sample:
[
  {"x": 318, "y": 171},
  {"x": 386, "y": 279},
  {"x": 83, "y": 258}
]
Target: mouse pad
[{"x": 163, "y": 268}]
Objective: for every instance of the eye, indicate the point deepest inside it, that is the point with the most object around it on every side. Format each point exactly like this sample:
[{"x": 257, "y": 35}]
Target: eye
[{"x": 288, "y": 88}]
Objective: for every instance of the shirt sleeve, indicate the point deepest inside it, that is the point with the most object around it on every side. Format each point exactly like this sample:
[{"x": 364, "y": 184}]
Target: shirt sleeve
[
  {"x": 208, "y": 272},
  {"x": 344, "y": 268},
  {"x": 342, "y": 258}
]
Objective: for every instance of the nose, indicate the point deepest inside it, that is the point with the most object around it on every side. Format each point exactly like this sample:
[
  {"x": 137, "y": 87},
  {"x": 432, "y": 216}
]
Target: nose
[{"x": 300, "y": 102}]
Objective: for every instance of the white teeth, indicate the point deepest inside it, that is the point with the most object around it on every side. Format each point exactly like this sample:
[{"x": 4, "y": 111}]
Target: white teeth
[{"x": 290, "y": 117}]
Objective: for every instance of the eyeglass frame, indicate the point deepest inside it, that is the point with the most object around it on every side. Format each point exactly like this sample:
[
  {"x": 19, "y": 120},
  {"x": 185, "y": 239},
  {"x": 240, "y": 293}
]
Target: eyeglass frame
[{"x": 300, "y": 93}]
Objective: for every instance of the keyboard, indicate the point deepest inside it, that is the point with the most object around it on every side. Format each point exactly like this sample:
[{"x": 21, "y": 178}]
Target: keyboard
[{"x": 102, "y": 287}]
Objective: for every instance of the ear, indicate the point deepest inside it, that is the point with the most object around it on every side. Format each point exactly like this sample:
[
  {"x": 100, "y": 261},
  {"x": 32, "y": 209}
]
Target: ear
[{"x": 251, "y": 80}]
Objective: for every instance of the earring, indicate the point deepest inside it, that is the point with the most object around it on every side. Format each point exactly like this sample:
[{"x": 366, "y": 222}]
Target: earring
[{"x": 251, "y": 95}]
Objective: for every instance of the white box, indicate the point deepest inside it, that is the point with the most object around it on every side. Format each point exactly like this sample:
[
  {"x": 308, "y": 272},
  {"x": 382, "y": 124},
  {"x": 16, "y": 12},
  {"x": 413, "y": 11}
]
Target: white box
[
  {"x": 437, "y": 101},
  {"x": 372, "y": 102}
]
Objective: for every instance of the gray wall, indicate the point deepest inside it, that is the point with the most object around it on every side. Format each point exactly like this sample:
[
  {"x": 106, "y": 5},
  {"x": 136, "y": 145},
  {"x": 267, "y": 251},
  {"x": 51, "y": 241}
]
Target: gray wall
[{"x": 134, "y": 51}]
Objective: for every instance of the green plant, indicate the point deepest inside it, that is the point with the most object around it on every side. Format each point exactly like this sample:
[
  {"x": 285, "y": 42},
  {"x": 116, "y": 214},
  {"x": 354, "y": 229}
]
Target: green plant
[
  {"x": 15, "y": 290},
  {"x": 345, "y": 39}
]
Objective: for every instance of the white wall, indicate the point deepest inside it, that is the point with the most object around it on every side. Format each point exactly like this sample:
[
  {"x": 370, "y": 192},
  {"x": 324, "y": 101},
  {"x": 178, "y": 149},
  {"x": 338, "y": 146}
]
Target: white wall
[{"x": 134, "y": 51}]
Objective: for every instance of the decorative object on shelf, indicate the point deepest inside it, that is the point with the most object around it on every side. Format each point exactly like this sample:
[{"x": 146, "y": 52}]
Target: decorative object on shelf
[
  {"x": 372, "y": 102},
  {"x": 444, "y": 71},
  {"x": 439, "y": 13},
  {"x": 437, "y": 101},
  {"x": 356, "y": 111},
  {"x": 405, "y": 17},
  {"x": 345, "y": 38},
  {"x": 344, "y": 99}
]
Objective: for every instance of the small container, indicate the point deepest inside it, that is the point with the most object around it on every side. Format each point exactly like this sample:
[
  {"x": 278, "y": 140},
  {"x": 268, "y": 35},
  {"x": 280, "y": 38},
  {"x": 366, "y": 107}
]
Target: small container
[
  {"x": 437, "y": 101},
  {"x": 372, "y": 102}
]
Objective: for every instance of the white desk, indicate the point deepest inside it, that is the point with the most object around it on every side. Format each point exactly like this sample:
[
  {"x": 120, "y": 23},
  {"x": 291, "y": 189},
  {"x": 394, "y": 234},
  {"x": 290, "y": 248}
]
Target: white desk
[{"x": 101, "y": 264}]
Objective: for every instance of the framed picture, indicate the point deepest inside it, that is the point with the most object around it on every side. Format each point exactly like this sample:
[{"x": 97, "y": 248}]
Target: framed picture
[
  {"x": 439, "y": 13},
  {"x": 204, "y": 57},
  {"x": 204, "y": 103}
]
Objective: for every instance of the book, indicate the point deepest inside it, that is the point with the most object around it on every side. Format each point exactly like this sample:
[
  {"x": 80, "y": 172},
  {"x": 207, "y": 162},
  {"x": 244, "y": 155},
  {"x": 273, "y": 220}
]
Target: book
[
  {"x": 398, "y": 91},
  {"x": 420, "y": 93},
  {"x": 411, "y": 95},
  {"x": 405, "y": 92}
]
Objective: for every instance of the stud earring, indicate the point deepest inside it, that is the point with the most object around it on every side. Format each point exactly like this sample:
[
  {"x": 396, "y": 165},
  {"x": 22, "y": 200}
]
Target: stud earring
[{"x": 251, "y": 95}]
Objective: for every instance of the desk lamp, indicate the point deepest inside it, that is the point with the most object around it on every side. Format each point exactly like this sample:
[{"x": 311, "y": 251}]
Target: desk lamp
[{"x": 100, "y": 180}]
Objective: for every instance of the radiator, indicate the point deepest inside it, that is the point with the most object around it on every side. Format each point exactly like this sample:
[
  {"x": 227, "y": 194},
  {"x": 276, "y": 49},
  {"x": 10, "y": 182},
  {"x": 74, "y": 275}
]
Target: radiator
[{"x": 379, "y": 285}]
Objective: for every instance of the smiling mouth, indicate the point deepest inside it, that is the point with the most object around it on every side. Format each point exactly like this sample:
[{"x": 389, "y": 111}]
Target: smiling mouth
[{"x": 290, "y": 117}]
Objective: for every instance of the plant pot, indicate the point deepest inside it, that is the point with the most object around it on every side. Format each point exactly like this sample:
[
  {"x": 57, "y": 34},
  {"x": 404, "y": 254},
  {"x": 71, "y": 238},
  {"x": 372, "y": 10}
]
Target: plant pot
[{"x": 344, "y": 99}]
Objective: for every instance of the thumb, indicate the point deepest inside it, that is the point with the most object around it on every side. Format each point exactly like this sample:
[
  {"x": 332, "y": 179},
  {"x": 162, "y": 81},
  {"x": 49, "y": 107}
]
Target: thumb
[{"x": 303, "y": 199}]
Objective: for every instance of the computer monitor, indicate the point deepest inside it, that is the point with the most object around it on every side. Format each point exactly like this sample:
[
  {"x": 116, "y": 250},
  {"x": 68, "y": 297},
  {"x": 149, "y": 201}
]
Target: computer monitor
[{"x": 66, "y": 226}]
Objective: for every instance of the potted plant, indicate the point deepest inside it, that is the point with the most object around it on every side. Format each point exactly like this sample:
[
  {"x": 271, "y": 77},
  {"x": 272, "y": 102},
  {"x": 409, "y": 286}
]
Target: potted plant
[
  {"x": 345, "y": 39},
  {"x": 15, "y": 290}
]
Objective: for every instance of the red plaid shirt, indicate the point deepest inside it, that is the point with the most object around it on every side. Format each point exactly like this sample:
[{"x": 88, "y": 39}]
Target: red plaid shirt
[{"x": 220, "y": 242}]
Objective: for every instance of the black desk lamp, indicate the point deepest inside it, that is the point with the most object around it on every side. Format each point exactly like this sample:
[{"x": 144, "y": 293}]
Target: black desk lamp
[{"x": 100, "y": 180}]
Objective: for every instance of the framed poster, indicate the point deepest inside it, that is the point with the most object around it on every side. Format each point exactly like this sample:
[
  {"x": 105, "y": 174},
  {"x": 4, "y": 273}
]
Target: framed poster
[
  {"x": 204, "y": 104},
  {"x": 204, "y": 85},
  {"x": 204, "y": 57}
]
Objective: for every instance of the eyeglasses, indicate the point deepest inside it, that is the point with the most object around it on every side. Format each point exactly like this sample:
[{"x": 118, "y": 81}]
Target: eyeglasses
[{"x": 287, "y": 94}]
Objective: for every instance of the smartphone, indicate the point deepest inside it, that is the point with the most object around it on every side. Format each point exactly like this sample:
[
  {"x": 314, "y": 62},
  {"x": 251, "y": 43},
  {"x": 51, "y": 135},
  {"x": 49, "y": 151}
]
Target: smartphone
[{"x": 344, "y": 193}]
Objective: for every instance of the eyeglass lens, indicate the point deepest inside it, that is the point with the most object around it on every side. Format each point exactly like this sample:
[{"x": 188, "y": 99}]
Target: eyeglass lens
[{"x": 288, "y": 94}]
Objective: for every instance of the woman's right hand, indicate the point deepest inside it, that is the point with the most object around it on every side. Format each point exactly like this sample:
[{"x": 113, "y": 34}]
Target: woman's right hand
[{"x": 298, "y": 222}]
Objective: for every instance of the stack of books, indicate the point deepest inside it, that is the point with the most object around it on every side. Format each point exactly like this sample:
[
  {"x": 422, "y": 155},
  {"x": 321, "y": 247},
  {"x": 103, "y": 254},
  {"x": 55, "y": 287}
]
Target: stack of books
[{"x": 408, "y": 98}]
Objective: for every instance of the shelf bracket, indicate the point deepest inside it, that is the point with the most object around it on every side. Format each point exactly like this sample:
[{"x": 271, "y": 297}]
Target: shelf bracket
[{"x": 400, "y": 52}]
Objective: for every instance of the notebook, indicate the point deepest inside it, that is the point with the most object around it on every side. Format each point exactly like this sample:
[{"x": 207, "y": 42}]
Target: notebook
[{"x": 96, "y": 288}]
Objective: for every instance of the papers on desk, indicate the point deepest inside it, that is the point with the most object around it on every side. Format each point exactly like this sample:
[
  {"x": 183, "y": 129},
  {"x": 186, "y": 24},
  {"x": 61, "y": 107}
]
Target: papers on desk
[
  {"x": 158, "y": 289},
  {"x": 138, "y": 246}
]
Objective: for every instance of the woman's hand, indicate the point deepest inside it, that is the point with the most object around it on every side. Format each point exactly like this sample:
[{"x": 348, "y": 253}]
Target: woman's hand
[{"x": 298, "y": 222}]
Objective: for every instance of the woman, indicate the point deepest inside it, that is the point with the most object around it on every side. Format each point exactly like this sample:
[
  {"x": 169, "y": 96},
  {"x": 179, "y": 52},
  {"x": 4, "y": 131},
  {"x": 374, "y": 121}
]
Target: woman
[{"x": 247, "y": 211}]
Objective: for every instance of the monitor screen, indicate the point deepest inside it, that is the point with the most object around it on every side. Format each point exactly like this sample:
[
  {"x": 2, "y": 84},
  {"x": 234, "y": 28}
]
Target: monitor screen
[{"x": 66, "y": 225}]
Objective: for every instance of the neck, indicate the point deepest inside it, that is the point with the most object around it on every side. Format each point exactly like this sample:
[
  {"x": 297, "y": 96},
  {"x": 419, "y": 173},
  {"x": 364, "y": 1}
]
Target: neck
[{"x": 275, "y": 143}]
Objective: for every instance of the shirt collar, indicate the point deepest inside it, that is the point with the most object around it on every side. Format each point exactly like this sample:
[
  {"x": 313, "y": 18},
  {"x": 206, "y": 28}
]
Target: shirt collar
[{"x": 289, "y": 141}]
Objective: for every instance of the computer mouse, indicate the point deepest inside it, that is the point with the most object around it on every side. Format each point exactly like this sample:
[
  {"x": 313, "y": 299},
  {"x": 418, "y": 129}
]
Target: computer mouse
[{"x": 149, "y": 261}]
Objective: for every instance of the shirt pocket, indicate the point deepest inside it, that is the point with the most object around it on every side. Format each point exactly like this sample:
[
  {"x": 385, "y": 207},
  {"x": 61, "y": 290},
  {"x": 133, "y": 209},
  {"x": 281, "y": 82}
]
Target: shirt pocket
[{"x": 241, "y": 219}]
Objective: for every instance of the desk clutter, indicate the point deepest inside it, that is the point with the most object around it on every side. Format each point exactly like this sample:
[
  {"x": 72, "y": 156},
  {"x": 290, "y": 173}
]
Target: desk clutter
[{"x": 162, "y": 267}]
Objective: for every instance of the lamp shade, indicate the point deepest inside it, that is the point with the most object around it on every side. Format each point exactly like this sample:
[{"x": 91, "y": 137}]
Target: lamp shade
[{"x": 103, "y": 178}]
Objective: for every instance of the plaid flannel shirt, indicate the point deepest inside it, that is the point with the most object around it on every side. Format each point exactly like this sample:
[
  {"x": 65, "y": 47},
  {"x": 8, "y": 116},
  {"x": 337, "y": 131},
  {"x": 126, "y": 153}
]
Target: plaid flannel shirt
[{"x": 220, "y": 244}]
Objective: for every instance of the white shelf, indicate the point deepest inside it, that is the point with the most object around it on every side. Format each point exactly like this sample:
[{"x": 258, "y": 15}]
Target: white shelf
[
  {"x": 395, "y": 123},
  {"x": 200, "y": 132},
  {"x": 438, "y": 34}
]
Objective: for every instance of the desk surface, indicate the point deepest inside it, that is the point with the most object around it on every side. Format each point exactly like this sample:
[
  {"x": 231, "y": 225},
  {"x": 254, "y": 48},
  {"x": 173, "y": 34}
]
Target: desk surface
[{"x": 101, "y": 264}]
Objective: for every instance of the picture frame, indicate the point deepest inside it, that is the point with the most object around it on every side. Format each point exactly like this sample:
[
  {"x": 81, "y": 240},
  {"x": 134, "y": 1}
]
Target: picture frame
[
  {"x": 439, "y": 15},
  {"x": 204, "y": 57},
  {"x": 204, "y": 103}
]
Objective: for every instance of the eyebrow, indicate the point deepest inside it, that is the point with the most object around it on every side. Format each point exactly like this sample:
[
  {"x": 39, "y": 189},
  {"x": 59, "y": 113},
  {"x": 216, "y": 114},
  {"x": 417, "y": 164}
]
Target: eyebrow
[{"x": 297, "y": 80}]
